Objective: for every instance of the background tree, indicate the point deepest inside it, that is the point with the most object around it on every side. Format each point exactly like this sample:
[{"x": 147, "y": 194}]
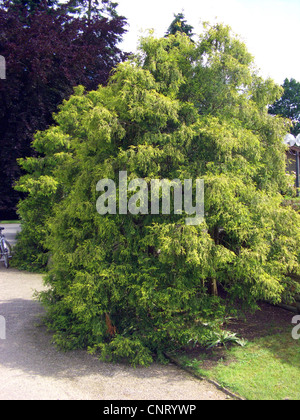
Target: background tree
[
  {"x": 135, "y": 286},
  {"x": 92, "y": 7},
  {"x": 180, "y": 24},
  {"x": 288, "y": 105},
  {"x": 48, "y": 51}
]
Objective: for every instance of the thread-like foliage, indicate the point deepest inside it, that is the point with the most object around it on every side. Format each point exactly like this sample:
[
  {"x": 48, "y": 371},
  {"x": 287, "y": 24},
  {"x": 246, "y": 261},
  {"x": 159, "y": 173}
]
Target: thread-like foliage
[{"x": 132, "y": 286}]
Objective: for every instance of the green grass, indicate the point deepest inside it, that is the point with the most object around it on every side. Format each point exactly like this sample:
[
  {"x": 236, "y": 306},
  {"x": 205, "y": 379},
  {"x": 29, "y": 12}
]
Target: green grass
[
  {"x": 9, "y": 222},
  {"x": 266, "y": 369}
]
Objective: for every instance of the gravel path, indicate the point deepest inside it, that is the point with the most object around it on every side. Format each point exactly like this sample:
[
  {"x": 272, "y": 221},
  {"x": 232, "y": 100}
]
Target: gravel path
[{"x": 31, "y": 368}]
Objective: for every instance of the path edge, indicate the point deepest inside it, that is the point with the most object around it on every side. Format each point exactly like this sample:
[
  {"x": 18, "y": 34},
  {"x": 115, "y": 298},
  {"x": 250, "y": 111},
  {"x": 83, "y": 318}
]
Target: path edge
[{"x": 198, "y": 376}]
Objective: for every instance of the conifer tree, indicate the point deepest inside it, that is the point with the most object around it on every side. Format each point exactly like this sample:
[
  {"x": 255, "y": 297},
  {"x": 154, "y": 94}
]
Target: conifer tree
[
  {"x": 136, "y": 285},
  {"x": 179, "y": 24}
]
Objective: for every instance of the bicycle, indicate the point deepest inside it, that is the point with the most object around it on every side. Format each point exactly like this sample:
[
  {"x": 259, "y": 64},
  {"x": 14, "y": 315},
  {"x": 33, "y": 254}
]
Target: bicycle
[{"x": 5, "y": 249}]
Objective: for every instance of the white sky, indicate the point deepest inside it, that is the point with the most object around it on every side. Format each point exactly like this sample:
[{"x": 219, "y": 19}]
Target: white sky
[{"x": 269, "y": 28}]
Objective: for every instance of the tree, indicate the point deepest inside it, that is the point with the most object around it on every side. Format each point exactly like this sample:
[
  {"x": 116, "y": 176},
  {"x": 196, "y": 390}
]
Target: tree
[
  {"x": 93, "y": 7},
  {"x": 32, "y": 5},
  {"x": 48, "y": 52},
  {"x": 179, "y": 24},
  {"x": 137, "y": 285},
  {"x": 288, "y": 105}
]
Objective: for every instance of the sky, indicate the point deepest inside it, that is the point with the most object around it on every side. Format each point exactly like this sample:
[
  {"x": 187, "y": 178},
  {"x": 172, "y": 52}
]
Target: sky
[{"x": 269, "y": 28}]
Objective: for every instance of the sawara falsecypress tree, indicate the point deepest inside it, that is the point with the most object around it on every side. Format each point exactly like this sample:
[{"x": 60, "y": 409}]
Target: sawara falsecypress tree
[{"x": 135, "y": 285}]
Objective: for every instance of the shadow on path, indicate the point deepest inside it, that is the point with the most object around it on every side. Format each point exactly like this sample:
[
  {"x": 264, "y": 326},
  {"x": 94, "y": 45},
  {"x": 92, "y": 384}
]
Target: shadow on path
[{"x": 31, "y": 367}]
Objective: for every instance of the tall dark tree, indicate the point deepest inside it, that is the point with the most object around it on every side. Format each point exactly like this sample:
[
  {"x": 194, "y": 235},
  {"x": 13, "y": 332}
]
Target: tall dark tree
[
  {"x": 48, "y": 50},
  {"x": 32, "y": 5},
  {"x": 92, "y": 7},
  {"x": 180, "y": 24},
  {"x": 288, "y": 105}
]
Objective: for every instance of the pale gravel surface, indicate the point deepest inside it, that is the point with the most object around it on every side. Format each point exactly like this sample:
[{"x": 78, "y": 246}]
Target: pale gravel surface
[{"x": 31, "y": 368}]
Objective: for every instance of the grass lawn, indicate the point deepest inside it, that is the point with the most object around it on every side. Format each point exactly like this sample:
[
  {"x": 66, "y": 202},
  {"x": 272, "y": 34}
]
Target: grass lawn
[
  {"x": 9, "y": 222},
  {"x": 267, "y": 368}
]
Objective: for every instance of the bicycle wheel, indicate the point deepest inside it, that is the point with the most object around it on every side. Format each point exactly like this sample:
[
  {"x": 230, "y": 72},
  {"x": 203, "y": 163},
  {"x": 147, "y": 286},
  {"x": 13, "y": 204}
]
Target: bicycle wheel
[
  {"x": 6, "y": 259},
  {"x": 7, "y": 247}
]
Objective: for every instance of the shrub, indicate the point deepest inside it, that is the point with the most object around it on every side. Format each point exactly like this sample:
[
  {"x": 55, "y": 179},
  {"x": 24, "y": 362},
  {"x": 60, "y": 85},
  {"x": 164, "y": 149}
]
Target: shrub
[{"x": 137, "y": 285}]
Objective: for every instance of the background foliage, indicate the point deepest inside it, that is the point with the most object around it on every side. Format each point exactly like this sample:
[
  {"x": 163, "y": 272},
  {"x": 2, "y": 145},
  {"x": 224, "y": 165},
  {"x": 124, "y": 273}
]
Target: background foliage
[
  {"x": 49, "y": 48},
  {"x": 288, "y": 106}
]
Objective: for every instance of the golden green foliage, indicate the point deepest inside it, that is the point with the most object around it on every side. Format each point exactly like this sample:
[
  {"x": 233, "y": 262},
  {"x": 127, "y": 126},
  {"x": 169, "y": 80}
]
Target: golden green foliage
[{"x": 134, "y": 285}]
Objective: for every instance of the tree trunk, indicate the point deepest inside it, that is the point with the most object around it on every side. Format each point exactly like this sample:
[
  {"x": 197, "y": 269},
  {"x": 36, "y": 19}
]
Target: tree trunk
[
  {"x": 89, "y": 12},
  {"x": 213, "y": 281},
  {"x": 214, "y": 287}
]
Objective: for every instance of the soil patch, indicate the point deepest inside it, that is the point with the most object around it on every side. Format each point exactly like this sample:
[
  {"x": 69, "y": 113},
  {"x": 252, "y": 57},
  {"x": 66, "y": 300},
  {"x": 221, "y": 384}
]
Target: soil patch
[{"x": 268, "y": 320}]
